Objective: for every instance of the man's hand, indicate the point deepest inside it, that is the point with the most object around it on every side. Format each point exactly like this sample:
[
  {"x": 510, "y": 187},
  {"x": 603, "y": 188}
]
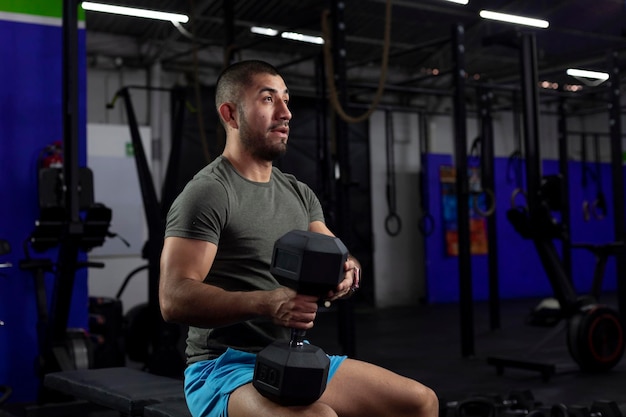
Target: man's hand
[
  {"x": 350, "y": 282},
  {"x": 293, "y": 310}
]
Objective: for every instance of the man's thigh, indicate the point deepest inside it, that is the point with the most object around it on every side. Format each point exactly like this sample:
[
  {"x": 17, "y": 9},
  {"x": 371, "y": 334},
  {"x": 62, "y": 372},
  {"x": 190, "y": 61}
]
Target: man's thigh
[
  {"x": 360, "y": 388},
  {"x": 246, "y": 401}
]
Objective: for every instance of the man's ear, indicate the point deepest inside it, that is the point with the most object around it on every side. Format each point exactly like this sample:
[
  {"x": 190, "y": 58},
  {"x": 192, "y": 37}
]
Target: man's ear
[{"x": 228, "y": 113}]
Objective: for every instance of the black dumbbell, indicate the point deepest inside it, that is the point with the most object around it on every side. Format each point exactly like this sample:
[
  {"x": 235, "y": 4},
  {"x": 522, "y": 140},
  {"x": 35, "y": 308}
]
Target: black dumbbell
[
  {"x": 295, "y": 372},
  {"x": 520, "y": 401},
  {"x": 599, "y": 408},
  {"x": 491, "y": 405}
]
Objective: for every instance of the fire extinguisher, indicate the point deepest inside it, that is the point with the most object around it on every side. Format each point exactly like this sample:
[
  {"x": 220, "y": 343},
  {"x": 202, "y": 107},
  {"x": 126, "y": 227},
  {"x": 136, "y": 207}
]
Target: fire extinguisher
[{"x": 52, "y": 156}]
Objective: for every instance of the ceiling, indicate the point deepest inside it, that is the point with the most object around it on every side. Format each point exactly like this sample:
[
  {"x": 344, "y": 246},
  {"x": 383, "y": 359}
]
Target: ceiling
[{"x": 582, "y": 33}]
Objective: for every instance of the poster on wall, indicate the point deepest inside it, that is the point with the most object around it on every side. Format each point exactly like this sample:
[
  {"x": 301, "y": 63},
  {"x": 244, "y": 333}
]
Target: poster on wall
[{"x": 477, "y": 205}]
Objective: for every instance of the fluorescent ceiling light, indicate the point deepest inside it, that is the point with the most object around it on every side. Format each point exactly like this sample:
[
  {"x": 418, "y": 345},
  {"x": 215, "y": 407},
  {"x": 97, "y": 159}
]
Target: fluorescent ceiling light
[
  {"x": 263, "y": 31},
  {"x": 131, "y": 11},
  {"x": 511, "y": 18},
  {"x": 302, "y": 38},
  {"x": 294, "y": 36},
  {"x": 588, "y": 74},
  {"x": 459, "y": 1}
]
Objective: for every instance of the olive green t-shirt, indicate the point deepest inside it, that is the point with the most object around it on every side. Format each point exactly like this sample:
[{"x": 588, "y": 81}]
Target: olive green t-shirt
[{"x": 244, "y": 219}]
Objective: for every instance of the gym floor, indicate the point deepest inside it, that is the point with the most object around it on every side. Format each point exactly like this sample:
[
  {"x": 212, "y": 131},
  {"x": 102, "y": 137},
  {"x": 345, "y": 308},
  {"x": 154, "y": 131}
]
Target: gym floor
[{"x": 423, "y": 343}]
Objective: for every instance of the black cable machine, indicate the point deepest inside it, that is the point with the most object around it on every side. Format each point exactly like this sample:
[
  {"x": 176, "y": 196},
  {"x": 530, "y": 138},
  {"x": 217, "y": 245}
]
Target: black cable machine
[
  {"x": 149, "y": 339},
  {"x": 69, "y": 220},
  {"x": 595, "y": 334}
]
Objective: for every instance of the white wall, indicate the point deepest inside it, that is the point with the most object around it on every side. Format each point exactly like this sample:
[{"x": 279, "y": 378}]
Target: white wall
[
  {"x": 399, "y": 261},
  {"x": 115, "y": 175},
  {"x": 116, "y": 185}
]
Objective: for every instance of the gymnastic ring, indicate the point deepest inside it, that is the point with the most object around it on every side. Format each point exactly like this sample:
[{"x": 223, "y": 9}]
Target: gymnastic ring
[
  {"x": 490, "y": 209},
  {"x": 393, "y": 217},
  {"x": 514, "y": 195},
  {"x": 598, "y": 214}
]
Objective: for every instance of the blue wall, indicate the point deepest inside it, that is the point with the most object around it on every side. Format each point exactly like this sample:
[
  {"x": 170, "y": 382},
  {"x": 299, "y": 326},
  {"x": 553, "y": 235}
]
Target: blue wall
[
  {"x": 30, "y": 118},
  {"x": 520, "y": 272}
]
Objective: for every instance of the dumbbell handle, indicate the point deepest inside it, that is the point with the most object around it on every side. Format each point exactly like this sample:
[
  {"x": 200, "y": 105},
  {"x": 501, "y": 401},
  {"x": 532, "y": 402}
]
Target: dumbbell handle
[{"x": 297, "y": 337}]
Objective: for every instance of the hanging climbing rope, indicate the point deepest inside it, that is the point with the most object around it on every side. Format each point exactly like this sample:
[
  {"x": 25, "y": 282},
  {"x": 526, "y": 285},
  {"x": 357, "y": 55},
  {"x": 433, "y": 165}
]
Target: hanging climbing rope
[{"x": 330, "y": 68}]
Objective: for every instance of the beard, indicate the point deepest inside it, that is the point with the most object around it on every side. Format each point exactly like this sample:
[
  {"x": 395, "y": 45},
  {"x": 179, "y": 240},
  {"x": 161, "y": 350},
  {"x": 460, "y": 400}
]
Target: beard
[{"x": 258, "y": 144}]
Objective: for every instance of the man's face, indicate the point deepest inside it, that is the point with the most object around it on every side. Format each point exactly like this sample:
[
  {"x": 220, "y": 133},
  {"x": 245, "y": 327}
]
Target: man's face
[{"x": 264, "y": 117}]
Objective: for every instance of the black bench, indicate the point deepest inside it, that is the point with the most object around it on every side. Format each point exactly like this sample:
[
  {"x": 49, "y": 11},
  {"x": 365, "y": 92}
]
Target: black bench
[
  {"x": 130, "y": 391},
  {"x": 177, "y": 408}
]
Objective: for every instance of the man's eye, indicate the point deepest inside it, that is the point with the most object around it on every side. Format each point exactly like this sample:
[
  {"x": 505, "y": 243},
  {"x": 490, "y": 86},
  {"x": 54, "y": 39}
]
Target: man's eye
[{"x": 268, "y": 98}]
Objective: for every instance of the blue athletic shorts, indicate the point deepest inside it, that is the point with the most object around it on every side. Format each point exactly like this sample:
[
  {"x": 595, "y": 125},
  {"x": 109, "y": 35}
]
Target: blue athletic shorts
[{"x": 208, "y": 384}]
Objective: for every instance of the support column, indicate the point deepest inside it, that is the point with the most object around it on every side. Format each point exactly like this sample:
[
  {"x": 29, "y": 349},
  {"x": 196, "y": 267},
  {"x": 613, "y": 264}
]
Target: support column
[
  {"x": 466, "y": 296},
  {"x": 488, "y": 183},
  {"x": 68, "y": 247},
  {"x": 617, "y": 173},
  {"x": 564, "y": 170},
  {"x": 530, "y": 106},
  {"x": 342, "y": 165}
]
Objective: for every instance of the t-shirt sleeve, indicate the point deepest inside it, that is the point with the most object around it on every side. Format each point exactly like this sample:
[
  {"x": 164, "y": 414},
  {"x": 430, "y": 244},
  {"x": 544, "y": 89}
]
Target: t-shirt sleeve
[
  {"x": 199, "y": 212},
  {"x": 315, "y": 207}
]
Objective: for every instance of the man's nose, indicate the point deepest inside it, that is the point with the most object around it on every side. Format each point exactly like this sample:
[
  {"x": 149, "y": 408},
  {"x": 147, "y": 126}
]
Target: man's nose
[{"x": 283, "y": 111}]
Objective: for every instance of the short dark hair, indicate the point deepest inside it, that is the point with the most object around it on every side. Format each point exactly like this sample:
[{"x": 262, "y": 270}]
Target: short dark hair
[{"x": 238, "y": 76}]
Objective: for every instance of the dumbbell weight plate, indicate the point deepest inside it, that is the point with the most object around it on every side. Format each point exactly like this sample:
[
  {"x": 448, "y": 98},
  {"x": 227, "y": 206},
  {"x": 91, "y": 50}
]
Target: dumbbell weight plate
[
  {"x": 606, "y": 408},
  {"x": 521, "y": 400},
  {"x": 476, "y": 407},
  {"x": 291, "y": 375},
  {"x": 295, "y": 373}
]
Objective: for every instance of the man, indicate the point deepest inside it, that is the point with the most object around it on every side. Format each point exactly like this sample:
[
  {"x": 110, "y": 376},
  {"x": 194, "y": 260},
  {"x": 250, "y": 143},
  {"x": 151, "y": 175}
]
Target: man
[{"x": 215, "y": 269}]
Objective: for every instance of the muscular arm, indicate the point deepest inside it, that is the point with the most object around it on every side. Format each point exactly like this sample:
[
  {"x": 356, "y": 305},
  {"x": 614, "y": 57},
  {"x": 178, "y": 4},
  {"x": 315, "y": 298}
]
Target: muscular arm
[{"x": 184, "y": 298}]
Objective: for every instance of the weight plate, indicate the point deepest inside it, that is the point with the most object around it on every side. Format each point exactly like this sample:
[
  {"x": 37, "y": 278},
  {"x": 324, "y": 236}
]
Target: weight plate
[{"x": 596, "y": 338}]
